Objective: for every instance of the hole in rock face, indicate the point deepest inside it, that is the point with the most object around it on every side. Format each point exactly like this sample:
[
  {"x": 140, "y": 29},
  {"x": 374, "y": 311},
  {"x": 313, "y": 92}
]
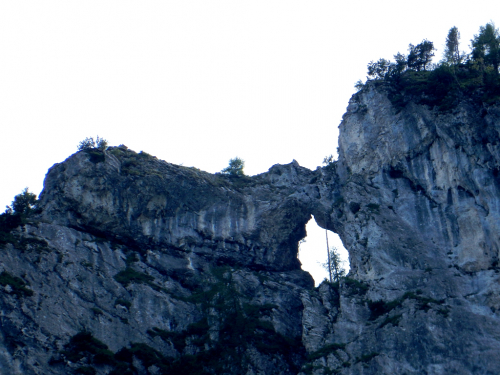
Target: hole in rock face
[{"x": 312, "y": 252}]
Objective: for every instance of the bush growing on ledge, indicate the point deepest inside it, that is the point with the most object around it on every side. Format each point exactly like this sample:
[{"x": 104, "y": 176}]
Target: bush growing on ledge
[
  {"x": 235, "y": 167},
  {"x": 17, "y": 285},
  {"x": 8, "y": 221},
  {"x": 129, "y": 275},
  {"x": 178, "y": 339},
  {"x": 379, "y": 308},
  {"x": 325, "y": 350},
  {"x": 84, "y": 345},
  {"x": 24, "y": 205},
  {"x": 32, "y": 244},
  {"x": 329, "y": 162},
  {"x": 123, "y": 302},
  {"x": 89, "y": 143},
  {"x": 354, "y": 287}
]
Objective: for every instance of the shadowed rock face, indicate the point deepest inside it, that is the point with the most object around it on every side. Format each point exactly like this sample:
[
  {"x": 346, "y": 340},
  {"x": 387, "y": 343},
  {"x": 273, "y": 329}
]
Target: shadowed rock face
[
  {"x": 432, "y": 177},
  {"x": 198, "y": 273},
  {"x": 139, "y": 200}
]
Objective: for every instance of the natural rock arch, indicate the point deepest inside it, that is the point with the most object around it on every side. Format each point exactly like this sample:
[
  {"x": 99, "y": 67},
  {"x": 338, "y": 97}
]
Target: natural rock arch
[{"x": 414, "y": 195}]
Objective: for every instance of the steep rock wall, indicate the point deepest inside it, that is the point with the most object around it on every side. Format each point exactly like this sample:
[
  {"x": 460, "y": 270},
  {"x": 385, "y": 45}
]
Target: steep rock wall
[
  {"x": 137, "y": 198},
  {"x": 438, "y": 173},
  {"x": 419, "y": 213},
  {"x": 177, "y": 270}
]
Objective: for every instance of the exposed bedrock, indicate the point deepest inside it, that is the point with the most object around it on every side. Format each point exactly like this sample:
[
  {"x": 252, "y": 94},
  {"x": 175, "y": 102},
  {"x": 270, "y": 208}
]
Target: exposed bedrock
[
  {"x": 427, "y": 185},
  {"x": 251, "y": 221},
  {"x": 189, "y": 270}
]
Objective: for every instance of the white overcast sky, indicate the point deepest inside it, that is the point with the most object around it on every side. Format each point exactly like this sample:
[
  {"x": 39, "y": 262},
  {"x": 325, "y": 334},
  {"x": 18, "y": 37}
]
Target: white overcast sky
[{"x": 198, "y": 82}]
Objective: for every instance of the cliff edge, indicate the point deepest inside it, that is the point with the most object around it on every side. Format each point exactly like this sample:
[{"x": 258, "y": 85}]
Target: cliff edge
[{"x": 136, "y": 266}]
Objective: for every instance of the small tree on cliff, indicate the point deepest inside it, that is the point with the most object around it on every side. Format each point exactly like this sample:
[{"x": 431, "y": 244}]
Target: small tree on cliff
[
  {"x": 89, "y": 143},
  {"x": 24, "y": 203},
  {"x": 235, "y": 167},
  {"x": 22, "y": 206},
  {"x": 486, "y": 46},
  {"x": 452, "y": 52},
  {"x": 334, "y": 265},
  {"x": 378, "y": 69},
  {"x": 420, "y": 56}
]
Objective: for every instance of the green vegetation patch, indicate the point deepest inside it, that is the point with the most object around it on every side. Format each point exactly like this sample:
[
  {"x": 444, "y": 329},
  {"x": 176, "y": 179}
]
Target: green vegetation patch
[
  {"x": 445, "y": 312},
  {"x": 97, "y": 311},
  {"x": 6, "y": 237},
  {"x": 324, "y": 351},
  {"x": 394, "y": 320},
  {"x": 116, "y": 151},
  {"x": 414, "y": 78},
  {"x": 132, "y": 166},
  {"x": 354, "y": 207},
  {"x": 235, "y": 167},
  {"x": 129, "y": 275},
  {"x": 23, "y": 206},
  {"x": 379, "y": 308},
  {"x": 365, "y": 358},
  {"x": 355, "y": 287},
  {"x": 423, "y": 303},
  {"x": 147, "y": 355},
  {"x": 16, "y": 283},
  {"x": 338, "y": 201},
  {"x": 131, "y": 258},
  {"x": 178, "y": 339},
  {"x": 33, "y": 244},
  {"x": 241, "y": 326},
  {"x": 221, "y": 273},
  {"x": 137, "y": 164},
  {"x": 145, "y": 155},
  {"x": 84, "y": 345},
  {"x": 236, "y": 182},
  {"x": 95, "y": 155},
  {"x": 256, "y": 311},
  {"x": 8, "y": 222}
]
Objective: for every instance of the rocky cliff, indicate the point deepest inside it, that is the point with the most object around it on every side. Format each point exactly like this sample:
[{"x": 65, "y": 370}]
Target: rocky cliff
[{"x": 136, "y": 266}]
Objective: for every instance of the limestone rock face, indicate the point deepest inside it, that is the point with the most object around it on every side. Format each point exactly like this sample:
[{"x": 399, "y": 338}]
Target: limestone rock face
[
  {"x": 138, "y": 199},
  {"x": 419, "y": 213},
  {"x": 437, "y": 172},
  {"x": 137, "y": 266}
]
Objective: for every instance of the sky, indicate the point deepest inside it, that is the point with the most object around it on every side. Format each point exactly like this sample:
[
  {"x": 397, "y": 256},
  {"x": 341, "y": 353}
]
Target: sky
[{"x": 199, "y": 82}]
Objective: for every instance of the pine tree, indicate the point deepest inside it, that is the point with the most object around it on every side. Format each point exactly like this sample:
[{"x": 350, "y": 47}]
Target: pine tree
[
  {"x": 378, "y": 69},
  {"x": 452, "y": 52},
  {"x": 420, "y": 56},
  {"x": 401, "y": 63},
  {"x": 235, "y": 167},
  {"x": 486, "y": 46},
  {"x": 24, "y": 203},
  {"x": 335, "y": 265}
]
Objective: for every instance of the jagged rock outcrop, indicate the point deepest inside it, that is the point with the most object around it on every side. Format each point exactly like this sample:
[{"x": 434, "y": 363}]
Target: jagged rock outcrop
[
  {"x": 419, "y": 213},
  {"x": 134, "y": 265},
  {"x": 137, "y": 199}
]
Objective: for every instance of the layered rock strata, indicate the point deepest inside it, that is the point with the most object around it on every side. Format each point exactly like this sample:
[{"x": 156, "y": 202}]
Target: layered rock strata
[{"x": 135, "y": 265}]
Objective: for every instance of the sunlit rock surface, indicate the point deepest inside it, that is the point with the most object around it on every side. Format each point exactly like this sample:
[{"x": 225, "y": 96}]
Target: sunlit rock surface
[{"x": 138, "y": 266}]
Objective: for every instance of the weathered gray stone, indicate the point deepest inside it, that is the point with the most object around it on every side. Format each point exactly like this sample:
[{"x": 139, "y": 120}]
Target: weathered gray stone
[{"x": 135, "y": 250}]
